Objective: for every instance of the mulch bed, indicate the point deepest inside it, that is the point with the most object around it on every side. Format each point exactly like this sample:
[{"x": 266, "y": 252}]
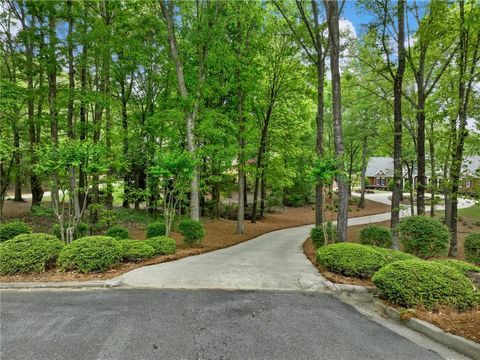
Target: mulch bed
[{"x": 220, "y": 233}]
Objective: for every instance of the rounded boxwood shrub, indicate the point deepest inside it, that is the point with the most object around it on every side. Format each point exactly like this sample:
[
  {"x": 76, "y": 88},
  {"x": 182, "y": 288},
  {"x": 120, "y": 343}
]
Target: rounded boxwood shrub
[
  {"x": 91, "y": 253},
  {"x": 392, "y": 255},
  {"x": 355, "y": 259},
  {"x": 133, "y": 250},
  {"x": 193, "y": 231},
  {"x": 28, "y": 253},
  {"x": 157, "y": 228},
  {"x": 376, "y": 235},
  {"x": 13, "y": 228},
  {"x": 162, "y": 245},
  {"x": 472, "y": 248},
  {"x": 317, "y": 234},
  {"x": 459, "y": 265},
  {"x": 412, "y": 283},
  {"x": 423, "y": 236},
  {"x": 117, "y": 232}
]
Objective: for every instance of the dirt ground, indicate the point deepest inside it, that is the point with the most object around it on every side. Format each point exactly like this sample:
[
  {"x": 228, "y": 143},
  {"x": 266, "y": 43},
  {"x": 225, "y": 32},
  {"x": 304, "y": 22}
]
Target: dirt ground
[{"x": 219, "y": 234}]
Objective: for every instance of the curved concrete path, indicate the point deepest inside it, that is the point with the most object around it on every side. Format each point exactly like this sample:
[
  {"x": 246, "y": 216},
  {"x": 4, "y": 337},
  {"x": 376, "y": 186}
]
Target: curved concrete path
[{"x": 273, "y": 261}]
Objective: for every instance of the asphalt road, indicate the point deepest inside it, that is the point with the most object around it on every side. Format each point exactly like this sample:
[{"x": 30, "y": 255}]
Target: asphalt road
[{"x": 198, "y": 324}]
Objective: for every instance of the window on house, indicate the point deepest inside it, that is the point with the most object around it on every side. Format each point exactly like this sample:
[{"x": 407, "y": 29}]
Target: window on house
[
  {"x": 468, "y": 184},
  {"x": 380, "y": 181}
]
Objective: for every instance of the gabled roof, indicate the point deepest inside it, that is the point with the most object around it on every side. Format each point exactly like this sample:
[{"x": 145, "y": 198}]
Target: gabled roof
[{"x": 379, "y": 164}]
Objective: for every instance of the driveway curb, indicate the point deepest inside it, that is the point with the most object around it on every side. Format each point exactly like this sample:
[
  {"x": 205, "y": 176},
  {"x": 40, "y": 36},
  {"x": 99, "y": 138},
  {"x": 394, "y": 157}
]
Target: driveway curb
[
  {"x": 458, "y": 343},
  {"x": 95, "y": 284},
  {"x": 366, "y": 294}
]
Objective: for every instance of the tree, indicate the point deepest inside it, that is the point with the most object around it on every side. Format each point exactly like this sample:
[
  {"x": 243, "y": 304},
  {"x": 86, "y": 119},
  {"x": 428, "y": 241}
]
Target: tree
[
  {"x": 468, "y": 57},
  {"x": 331, "y": 7}
]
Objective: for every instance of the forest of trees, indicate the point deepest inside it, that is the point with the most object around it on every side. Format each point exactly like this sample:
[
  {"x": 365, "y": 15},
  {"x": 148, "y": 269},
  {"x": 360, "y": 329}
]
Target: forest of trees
[{"x": 172, "y": 105}]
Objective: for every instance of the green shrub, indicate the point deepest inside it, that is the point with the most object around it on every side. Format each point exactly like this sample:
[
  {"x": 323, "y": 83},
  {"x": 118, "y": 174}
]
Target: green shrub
[
  {"x": 472, "y": 248},
  {"x": 162, "y": 245},
  {"x": 13, "y": 228},
  {"x": 91, "y": 253},
  {"x": 156, "y": 229},
  {"x": 318, "y": 234},
  {"x": 133, "y": 250},
  {"x": 462, "y": 266},
  {"x": 393, "y": 255},
  {"x": 117, "y": 232},
  {"x": 193, "y": 231},
  {"x": 28, "y": 253},
  {"x": 423, "y": 236},
  {"x": 376, "y": 235},
  {"x": 357, "y": 260},
  {"x": 413, "y": 283},
  {"x": 80, "y": 231}
]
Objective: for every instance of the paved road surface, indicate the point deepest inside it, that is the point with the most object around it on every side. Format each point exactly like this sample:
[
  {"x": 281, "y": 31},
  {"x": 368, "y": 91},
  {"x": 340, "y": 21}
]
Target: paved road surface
[{"x": 163, "y": 324}]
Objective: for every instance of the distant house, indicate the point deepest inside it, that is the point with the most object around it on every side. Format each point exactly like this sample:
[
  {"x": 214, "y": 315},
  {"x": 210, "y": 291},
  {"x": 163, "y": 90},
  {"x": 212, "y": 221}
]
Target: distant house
[{"x": 380, "y": 171}]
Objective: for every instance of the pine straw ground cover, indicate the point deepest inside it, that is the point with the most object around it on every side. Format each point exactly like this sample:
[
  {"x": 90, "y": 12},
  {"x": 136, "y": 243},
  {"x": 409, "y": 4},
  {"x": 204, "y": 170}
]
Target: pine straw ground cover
[{"x": 219, "y": 234}]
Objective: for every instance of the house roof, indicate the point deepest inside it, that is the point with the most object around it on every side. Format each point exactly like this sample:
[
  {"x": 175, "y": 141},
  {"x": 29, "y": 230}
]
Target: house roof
[
  {"x": 383, "y": 166},
  {"x": 471, "y": 165}
]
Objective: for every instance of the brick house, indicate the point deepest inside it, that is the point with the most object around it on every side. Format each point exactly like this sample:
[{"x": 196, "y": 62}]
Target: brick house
[{"x": 380, "y": 171}]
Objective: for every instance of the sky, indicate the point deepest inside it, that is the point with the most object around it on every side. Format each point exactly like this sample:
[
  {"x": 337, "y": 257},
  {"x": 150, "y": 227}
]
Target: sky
[{"x": 358, "y": 17}]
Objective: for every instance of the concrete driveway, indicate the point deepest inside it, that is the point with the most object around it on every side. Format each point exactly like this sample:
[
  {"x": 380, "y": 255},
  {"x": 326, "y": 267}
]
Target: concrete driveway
[{"x": 273, "y": 261}]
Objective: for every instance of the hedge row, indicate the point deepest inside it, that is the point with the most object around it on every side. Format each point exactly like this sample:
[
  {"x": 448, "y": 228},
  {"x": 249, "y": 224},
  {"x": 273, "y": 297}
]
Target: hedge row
[
  {"x": 37, "y": 252},
  {"x": 357, "y": 260},
  {"x": 403, "y": 279}
]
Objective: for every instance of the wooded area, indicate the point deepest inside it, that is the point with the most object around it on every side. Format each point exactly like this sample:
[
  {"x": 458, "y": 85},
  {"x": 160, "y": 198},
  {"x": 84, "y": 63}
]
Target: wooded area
[{"x": 175, "y": 105}]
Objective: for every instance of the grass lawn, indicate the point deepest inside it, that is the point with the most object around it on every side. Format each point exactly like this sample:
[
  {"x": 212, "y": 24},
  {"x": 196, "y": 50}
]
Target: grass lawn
[{"x": 471, "y": 212}]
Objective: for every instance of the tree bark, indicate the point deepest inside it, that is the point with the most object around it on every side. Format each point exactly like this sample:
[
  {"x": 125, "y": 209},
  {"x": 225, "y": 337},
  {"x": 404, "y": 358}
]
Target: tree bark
[
  {"x": 35, "y": 184},
  {"x": 17, "y": 155},
  {"x": 467, "y": 66},
  {"x": 361, "y": 203},
  {"x": 397, "y": 119},
  {"x": 52, "y": 99},
  {"x": 320, "y": 67},
  {"x": 421, "y": 179},
  {"x": 331, "y": 7},
  {"x": 191, "y": 114}
]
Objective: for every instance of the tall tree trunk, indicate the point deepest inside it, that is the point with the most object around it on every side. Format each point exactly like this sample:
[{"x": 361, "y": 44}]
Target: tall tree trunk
[
  {"x": 35, "y": 184},
  {"x": 83, "y": 107},
  {"x": 361, "y": 203},
  {"x": 127, "y": 175},
  {"x": 421, "y": 178},
  {"x": 467, "y": 66},
  {"x": 241, "y": 164},
  {"x": 433, "y": 174},
  {"x": 52, "y": 104},
  {"x": 331, "y": 7},
  {"x": 261, "y": 154},
  {"x": 320, "y": 67},
  {"x": 191, "y": 114},
  {"x": 17, "y": 155},
  {"x": 397, "y": 119},
  {"x": 263, "y": 189}
]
